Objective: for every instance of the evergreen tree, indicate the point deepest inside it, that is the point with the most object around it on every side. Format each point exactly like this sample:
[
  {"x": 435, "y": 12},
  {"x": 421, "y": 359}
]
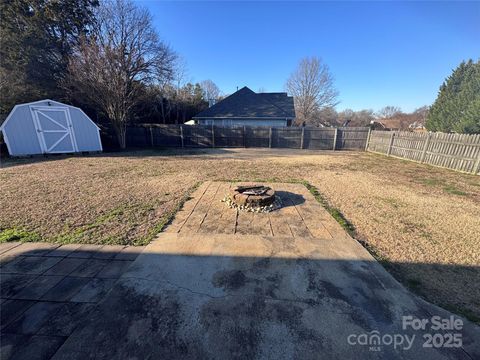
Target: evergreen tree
[
  {"x": 36, "y": 39},
  {"x": 457, "y": 107}
]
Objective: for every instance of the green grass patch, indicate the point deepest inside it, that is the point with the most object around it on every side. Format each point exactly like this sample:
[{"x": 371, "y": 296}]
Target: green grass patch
[
  {"x": 453, "y": 190},
  {"x": 70, "y": 236},
  {"x": 14, "y": 234},
  {"x": 166, "y": 219},
  {"x": 432, "y": 182},
  {"x": 336, "y": 213}
]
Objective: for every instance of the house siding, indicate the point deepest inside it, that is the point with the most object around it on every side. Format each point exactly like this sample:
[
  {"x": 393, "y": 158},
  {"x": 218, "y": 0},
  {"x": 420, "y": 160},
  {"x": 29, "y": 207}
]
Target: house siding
[{"x": 243, "y": 122}]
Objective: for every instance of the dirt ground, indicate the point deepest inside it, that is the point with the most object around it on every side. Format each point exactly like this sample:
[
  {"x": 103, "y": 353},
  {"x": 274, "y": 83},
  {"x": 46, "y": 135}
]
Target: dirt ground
[{"x": 421, "y": 222}]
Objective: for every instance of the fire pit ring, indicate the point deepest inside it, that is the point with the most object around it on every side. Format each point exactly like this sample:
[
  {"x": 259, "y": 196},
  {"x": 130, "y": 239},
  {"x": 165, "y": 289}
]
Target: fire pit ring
[{"x": 253, "y": 195}]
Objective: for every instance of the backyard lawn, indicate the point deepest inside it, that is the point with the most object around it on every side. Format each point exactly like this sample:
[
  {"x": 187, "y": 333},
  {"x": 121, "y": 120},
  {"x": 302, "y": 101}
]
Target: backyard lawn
[{"x": 421, "y": 222}]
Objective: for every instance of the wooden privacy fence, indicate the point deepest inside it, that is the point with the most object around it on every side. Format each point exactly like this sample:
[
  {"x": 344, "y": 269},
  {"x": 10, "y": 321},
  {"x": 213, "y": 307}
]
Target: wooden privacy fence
[
  {"x": 247, "y": 136},
  {"x": 459, "y": 152}
]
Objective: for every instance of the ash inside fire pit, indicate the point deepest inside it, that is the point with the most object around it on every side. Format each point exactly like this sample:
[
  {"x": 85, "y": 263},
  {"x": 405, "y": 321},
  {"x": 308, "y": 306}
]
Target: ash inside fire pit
[{"x": 257, "y": 198}]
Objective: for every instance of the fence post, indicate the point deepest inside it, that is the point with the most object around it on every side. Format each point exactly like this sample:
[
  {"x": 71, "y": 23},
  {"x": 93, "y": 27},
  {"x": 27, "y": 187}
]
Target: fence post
[
  {"x": 476, "y": 167},
  {"x": 301, "y": 139},
  {"x": 270, "y": 138},
  {"x": 335, "y": 139},
  {"x": 425, "y": 147},
  {"x": 244, "y": 136},
  {"x": 368, "y": 139},
  {"x": 389, "y": 151},
  {"x": 181, "y": 134},
  {"x": 213, "y": 136}
]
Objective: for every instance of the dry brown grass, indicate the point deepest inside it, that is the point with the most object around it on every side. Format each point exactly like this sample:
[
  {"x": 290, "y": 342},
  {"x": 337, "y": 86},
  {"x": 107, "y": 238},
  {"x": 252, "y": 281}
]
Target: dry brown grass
[{"x": 423, "y": 221}]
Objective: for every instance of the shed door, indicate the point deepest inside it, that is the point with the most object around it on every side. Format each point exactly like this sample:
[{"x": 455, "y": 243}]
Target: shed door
[{"x": 54, "y": 129}]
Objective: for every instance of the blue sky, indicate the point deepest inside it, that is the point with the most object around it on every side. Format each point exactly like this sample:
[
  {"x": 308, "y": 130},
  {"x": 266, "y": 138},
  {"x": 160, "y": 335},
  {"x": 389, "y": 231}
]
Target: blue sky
[{"x": 380, "y": 53}]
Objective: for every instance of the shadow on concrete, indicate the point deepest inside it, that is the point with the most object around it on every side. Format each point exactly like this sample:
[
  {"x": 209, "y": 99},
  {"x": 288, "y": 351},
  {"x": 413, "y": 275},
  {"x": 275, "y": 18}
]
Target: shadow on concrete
[
  {"x": 289, "y": 198},
  {"x": 93, "y": 303}
]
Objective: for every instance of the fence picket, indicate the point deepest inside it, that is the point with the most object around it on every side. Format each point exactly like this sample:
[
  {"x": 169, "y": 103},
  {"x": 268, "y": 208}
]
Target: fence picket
[
  {"x": 247, "y": 136},
  {"x": 460, "y": 152}
]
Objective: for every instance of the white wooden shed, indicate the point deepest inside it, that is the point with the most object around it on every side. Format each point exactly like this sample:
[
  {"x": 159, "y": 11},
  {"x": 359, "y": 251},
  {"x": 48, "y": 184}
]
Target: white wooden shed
[{"x": 49, "y": 127}]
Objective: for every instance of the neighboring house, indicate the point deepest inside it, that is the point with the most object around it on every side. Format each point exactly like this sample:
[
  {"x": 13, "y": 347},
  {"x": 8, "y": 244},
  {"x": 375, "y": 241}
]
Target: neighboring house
[
  {"x": 385, "y": 124},
  {"x": 404, "y": 122},
  {"x": 396, "y": 124},
  {"x": 417, "y": 127},
  {"x": 246, "y": 107}
]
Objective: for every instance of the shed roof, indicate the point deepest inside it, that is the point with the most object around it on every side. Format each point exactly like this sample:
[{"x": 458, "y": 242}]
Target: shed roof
[
  {"x": 4, "y": 123},
  {"x": 245, "y": 103}
]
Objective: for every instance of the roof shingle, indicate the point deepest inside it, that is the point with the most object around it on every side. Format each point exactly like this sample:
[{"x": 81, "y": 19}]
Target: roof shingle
[{"x": 247, "y": 104}]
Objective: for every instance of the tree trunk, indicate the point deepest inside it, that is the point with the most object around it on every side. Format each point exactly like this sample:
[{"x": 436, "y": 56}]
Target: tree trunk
[
  {"x": 162, "y": 108},
  {"x": 121, "y": 132},
  {"x": 122, "y": 138}
]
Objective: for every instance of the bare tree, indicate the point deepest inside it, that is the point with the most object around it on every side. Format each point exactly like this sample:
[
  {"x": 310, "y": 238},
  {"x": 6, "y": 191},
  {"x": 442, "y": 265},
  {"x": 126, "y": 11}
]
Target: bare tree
[
  {"x": 349, "y": 117},
  {"x": 180, "y": 80},
  {"x": 422, "y": 113},
  {"x": 388, "y": 112},
  {"x": 311, "y": 85},
  {"x": 327, "y": 116},
  {"x": 124, "y": 54},
  {"x": 210, "y": 90}
]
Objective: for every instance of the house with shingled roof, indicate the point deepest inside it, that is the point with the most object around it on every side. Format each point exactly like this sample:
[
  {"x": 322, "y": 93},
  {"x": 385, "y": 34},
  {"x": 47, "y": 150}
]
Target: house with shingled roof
[{"x": 247, "y": 108}]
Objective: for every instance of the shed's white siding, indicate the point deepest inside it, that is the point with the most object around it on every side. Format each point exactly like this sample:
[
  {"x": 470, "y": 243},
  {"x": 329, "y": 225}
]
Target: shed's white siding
[
  {"x": 19, "y": 132},
  {"x": 21, "y": 135}
]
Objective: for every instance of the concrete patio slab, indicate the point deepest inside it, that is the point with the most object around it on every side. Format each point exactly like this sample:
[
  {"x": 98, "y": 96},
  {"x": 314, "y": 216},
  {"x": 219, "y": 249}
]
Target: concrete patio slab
[
  {"x": 64, "y": 321},
  {"x": 64, "y": 250},
  {"x": 38, "y": 287},
  {"x": 12, "y": 284},
  {"x": 32, "y": 249},
  {"x": 85, "y": 251},
  {"x": 65, "y": 266},
  {"x": 207, "y": 214},
  {"x": 94, "y": 290},
  {"x": 89, "y": 267},
  {"x": 7, "y": 246},
  {"x": 46, "y": 290},
  {"x": 21, "y": 347},
  {"x": 65, "y": 289},
  {"x": 29, "y": 265}
]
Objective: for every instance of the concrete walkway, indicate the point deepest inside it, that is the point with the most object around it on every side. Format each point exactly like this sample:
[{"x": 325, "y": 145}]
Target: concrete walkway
[{"x": 219, "y": 284}]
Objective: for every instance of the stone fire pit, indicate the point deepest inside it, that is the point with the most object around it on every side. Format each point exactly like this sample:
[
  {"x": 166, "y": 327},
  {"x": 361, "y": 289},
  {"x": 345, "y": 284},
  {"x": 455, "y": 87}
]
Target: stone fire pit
[{"x": 256, "y": 198}]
